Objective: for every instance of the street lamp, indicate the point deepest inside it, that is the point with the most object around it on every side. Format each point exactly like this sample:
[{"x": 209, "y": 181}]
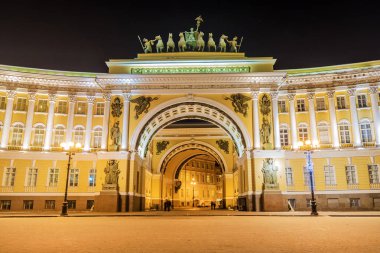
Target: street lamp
[
  {"x": 310, "y": 167},
  {"x": 193, "y": 183},
  {"x": 71, "y": 149}
]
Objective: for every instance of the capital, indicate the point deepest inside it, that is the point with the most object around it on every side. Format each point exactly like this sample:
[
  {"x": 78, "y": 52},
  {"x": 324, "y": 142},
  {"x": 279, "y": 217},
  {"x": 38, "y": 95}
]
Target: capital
[
  {"x": 107, "y": 96},
  {"x": 90, "y": 99},
  {"x": 52, "y": 97},
  {"x": 11, "y": 94},
  {"x": 310, "y": 95},
  {"x": 72, "y": 98},
  {"x": 330, "y": 93},
  {"x": 255, "y": 95},
  {"x": 274, "y": 95},
  {"x": 127, "y": 96},
  {"x": 373, "y": 89},
  {"x": 32, "y": 95},
  {"x": 291, "y": 96},
  {"x": 351, "y": 92}
]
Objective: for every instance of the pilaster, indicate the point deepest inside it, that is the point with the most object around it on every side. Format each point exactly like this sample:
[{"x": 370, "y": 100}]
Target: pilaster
[
  {"x": 90, "y": 107},
  {"x": 354, "y": 118},
  {"x": 293, "y": 122},
  {"x": 8, "y": 118},
  {"x": 50, "y": 121},
  {"x": 29, "y": 119},
  {"x": 256, "y": 123}
]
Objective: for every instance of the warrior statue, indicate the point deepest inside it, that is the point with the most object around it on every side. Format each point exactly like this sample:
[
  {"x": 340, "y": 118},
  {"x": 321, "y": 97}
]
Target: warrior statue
[
  {"x": 222, "y": 43},
  {"x": 199, "y": 21},
  {"x": 148, "y": 45},
  {"x": 170, "y": 44},
  {"x": 160, "y": 44},
  {"x": 211, "y": 43},
  {"x": 200, "y": 42},
  {"x": 265, "y": 131},
  {"x": 112, "y": 172},
  {"x": 116, "y": 134},
  {"x": 233, "y": 44},
  {"x": 181, "y": 43}
]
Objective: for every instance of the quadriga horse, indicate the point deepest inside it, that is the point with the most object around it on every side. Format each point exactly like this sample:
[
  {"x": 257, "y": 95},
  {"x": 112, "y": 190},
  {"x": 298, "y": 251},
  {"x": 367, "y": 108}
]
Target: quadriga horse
[
  {"x": 170, "y": 44},
  {"x": 222, "y": 43},
  {"x": 200, "y": 42},
  {"x": 181, "y": 43},
  {"x": 160, "y": 44},
  {"x": 211, "y": 43}
]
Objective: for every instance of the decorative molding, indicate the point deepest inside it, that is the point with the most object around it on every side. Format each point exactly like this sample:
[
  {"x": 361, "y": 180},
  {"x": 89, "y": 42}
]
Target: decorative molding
[
  {"x": 52, "y": 97},
  {"x": 351, "y": 92},
  {"x": 330, "y": 93},
  {"x": 91, "y": 99},
  {"x": 116, "y": 106},
  {"x": 223, "y": 145},
  {"x": 291, "y": 96},
  {"x": 255, "y": 95},
  {"x": 274, "y": 95},
  {"x": 32, "y": 95},
  {"x": 72, "y": 98},
  {"x": 11, "y": 94},
  {"x": 107, "y": 96},
  {"x": 161, "y": 146},
  {"x": 127, "y": 96},
  {"x": 310, "y": 95},
  {"x": 373, "y": 89},
  {"x": 143, "y": 104}
]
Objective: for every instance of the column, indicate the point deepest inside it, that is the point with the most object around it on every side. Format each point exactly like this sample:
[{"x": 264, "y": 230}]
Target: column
[
  {"x": 70, "y": 118},
  {"x": 256, "y": 123},
  {"x": 106, "y": 117},
  {"x": 50, "y": 121},
  {"x": 7, "y": 118},
  {"x": 333, "y": 124},
  {"x": 293, "y": 122},
  {"x": 90, "y": 107},
  {"x": 29, "y": 120},
  {"x": 124, "y": 136},
  {"x": 313, "y": 121},
  {"x": 354, "y": 118},
  {"x": 375, "y": 112},
  {"x": 276, "y": 122}
]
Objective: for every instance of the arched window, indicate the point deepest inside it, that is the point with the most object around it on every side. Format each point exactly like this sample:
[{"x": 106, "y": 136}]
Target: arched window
[
  {"x": 17, "y": 134},
  {"x": 323, "y": 131},
  {"x": 39, "y": 135},
  {"x": 59, "y": 135},
  {"x": 284, "y": 135},
  {"x": 78, "y": 135},
  {"x": 365, "y": 131},
  {"x": 97, "y": 138},
  {"x": 303, "y": 132},
  {"x": 344, "y": 132}
]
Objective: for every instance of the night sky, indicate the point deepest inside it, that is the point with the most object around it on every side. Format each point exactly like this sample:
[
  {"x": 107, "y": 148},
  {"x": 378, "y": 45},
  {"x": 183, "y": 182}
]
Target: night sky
[{"x": 82, "y": 35}]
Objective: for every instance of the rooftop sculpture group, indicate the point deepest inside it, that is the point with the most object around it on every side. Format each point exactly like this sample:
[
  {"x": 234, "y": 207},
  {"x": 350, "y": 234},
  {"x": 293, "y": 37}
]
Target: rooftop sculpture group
[{"x": 191, "y": 41}]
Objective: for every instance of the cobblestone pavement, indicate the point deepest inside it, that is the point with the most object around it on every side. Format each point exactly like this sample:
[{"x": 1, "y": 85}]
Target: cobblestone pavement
[{"x": 191, "y": 234}]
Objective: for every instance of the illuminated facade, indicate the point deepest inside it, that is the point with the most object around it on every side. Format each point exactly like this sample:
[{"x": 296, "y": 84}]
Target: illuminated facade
[{"x": 228, "y": 122}]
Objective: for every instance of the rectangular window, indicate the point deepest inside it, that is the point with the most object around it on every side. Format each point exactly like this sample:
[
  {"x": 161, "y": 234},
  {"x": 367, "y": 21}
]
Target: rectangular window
[
  {"x": 362, "y": 101},
  {"x": 74, "y": 177},
  {"x": 323, "y": 131},
  {"x": 9, "y": 177},
  {"x": 99, "y": 108},
  {"x": 21, "y": 104},
  {"x": 81, "y": 108},
  {"x": 90, "y": 204},
  {"x": 62, "y": 107},
  {"x": 31, "y": 179},
  {"x": 42, "y": 105},
  {"x": 2, "y": 103},
  {"x": 351, "y": 177},
  {"x": 5, "y": 204},
  {"x": 329, "y": 175},
  {"x": 92, "y": 178},
  {"x": 28, "y": 204},
  {"x": 53, "y": 177},
  {"x": 373, "y": 171},
  {"x": 72, "y": 204},
  {"x": 321, "y": 104},
  {"x": 284, "y": 136},
  {"x": 208, "y": 178},
  {"x": 354, "y": 202},
  {"x": 341, "y": 102},
  {"x": 281, "y": 106},
  {"x": 301, "y": 105},
  {"x": 289, "y": 176},
  {"x": 344, "y": 132},
  {"x": 49, "y": 204}
]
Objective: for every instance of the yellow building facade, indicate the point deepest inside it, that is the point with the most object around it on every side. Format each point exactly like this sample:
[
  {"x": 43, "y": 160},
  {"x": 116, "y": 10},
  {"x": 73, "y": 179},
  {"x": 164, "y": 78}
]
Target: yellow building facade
[{"x": 192, "y": 128}]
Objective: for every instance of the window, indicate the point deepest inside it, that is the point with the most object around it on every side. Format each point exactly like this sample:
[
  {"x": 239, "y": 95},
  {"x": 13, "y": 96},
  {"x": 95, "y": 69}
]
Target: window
[
  {"x": 344, "y": 133},
  {"x": 39, "y": 134},
  {"x": 49, "y": 204},
  {"x": 59, "y": 135},
  {"x": 81, "y": 108},
  {"x": 90, "y": 204},
  {"x": 306, "y": 176},
  {"x": 302, "y": 132},
  {"x": 97, "y": 138},
  {"x": 74, "y": 177},
  {"x": 351, "y": 175},
  {"x": 289, "y": 176},
  {"x": 31, "y": 179},
  {"x": 53, "y": 177},
  {"x": 79, "y": 135},
  {"x": 323, "y": 131},
  {"x": 72, "y": 204},
  {"x": 42, "y": 106},
  {"x": 281, "y": 106},
  {"x": 341, "y": 102},
  {"x": 17, "y": 133},
  {"x": 208, "y": 179},
  {"x": 292, "y": 203},
  {"x": 373, "y": 171},
  {"x": 21, "y": 104},
  {"x": 321, "y": 104},
  {"x": 329, "y": 175},
  {"x": 5, "y": 204},
  {"x": 99, "y": 108},
  {"x": 2, "y": 103},
  {"x": 28, "y": 204},
  {"x": 284, "y": 136},
  {"x": 354, "y": 202},
  {"x": 92, "y": 178},
  {"x": 362, "y": 101},
  {"x": 301, "y": 105},
  {"x": 62, "y": 107},
  {"x": 365, "y": 130},
  {"x": 9, "y": 177}
]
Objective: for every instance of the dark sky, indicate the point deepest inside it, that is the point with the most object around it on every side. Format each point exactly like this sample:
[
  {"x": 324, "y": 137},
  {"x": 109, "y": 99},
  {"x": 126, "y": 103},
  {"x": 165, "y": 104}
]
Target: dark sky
[{"x": 82, "y": 35}]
